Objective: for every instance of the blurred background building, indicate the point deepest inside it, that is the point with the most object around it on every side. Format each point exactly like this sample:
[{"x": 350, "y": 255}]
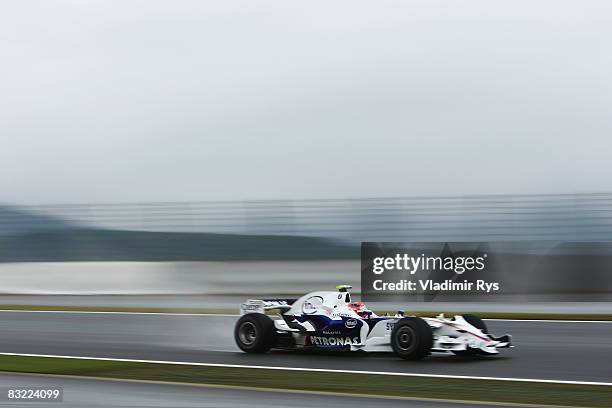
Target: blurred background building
[
  {"x": 286, "y": 246},
  {"x": 562, "y": 217}
]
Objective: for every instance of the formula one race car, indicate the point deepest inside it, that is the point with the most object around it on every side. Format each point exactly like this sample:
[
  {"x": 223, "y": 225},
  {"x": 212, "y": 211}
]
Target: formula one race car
[{"x": 331, "y": 320}]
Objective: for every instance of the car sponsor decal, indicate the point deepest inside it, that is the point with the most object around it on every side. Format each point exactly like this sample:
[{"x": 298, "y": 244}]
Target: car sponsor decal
[
  {"x": 250, "y": 307},
  {"x": 322, "y": 341},
  {"x": 350, "y": 323}
]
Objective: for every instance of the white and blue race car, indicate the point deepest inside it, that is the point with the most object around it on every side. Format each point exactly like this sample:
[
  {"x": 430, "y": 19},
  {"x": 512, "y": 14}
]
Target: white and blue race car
[{"x": 332, "y": 320}]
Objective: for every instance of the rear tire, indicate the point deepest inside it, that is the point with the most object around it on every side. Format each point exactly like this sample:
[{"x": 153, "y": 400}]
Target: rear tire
[
  {"x": 476, "y": 322},
  {"x": 255, "y": 333},
  {"x": 411, "y": 338}
]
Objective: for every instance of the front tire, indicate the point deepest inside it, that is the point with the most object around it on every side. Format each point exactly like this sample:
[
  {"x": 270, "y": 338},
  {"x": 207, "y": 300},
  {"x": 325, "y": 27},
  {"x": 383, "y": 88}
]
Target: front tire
[
  {"x": 411, "y": 338},
  {"x": 476, "y": 322},
  {"x": 480, "y": 325},
  {"x": 254, "y": 333}
]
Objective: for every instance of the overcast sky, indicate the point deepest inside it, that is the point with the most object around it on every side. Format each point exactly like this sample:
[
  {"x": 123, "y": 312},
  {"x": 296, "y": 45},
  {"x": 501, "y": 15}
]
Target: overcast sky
[{"x": 206, "y": 100}]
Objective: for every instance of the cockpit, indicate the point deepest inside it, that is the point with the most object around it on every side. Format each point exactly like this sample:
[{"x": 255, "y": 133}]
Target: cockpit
[{"x": 335, "y": 304}]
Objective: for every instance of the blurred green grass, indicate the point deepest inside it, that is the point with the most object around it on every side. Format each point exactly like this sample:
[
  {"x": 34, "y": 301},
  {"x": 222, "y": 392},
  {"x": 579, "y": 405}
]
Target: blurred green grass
[{"x": 362, "y": 384}]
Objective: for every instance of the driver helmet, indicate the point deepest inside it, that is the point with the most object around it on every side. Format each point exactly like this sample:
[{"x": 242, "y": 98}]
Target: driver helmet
[
  {"x": 357, "y": 306},
  {"x": 361, "y": 309}
]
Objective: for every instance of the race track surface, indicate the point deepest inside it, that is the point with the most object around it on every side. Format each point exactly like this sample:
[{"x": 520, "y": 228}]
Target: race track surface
[
  {"x": 100, "y": 393},
  {"x": 544, "y": 350}
]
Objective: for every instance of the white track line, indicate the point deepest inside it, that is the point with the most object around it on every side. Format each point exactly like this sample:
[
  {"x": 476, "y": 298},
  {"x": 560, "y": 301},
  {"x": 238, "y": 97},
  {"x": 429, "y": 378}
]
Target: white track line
[
  {"x": 236, "y": 315},
  {"x": 320, "y": 370}
]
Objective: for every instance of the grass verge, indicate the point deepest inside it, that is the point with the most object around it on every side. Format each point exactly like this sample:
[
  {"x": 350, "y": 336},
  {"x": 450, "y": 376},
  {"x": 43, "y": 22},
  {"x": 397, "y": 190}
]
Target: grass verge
[
  {"x": 484, "y": 315},
  {"x": 363, "y": 384}
]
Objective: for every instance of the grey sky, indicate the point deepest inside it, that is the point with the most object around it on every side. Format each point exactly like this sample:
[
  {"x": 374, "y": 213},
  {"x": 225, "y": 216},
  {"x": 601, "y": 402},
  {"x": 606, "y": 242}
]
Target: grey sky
[{"x": 204, "y": 100}]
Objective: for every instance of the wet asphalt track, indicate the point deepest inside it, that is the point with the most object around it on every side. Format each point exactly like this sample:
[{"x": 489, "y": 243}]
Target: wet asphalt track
[{"x": 545, "y": 350}]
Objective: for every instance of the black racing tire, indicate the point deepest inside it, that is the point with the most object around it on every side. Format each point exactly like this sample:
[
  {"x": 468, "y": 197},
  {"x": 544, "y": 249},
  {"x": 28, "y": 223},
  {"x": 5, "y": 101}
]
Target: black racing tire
[
  {"x": 476, "y": 322},
  {"x": 254, "y": 333},
  {"x": 411, "y": 338}
]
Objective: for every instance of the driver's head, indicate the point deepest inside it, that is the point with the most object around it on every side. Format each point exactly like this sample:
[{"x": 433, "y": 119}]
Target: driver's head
[{"x": 357, "y": 306}]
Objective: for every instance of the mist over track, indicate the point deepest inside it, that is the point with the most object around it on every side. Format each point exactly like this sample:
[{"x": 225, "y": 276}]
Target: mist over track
[{"x": 544, "y": 350}]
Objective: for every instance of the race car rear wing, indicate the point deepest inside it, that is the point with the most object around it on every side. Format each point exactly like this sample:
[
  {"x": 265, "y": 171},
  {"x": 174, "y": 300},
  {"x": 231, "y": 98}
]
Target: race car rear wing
[{"x": 261, "y": 305}]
